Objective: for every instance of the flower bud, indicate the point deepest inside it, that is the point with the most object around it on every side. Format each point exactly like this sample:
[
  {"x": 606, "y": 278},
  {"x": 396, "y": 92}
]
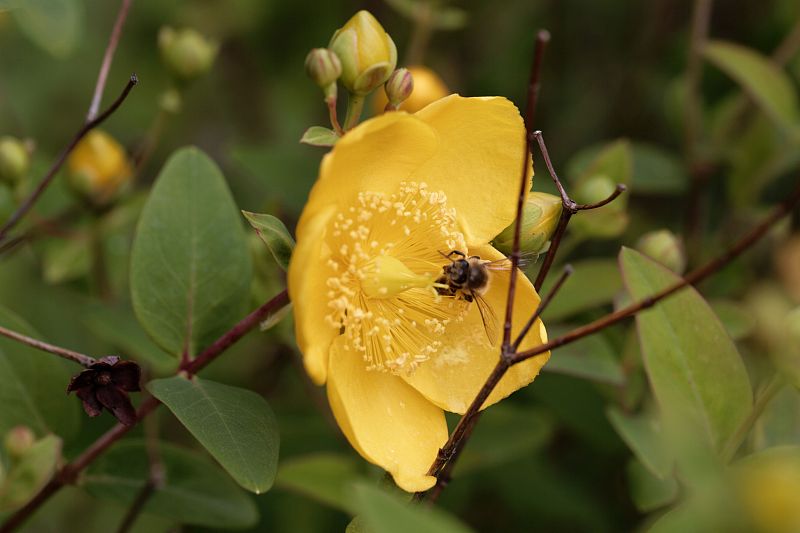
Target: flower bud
[
  {"x": 98, "y": 168},
  {"x": 367, "y": 53},
  {"x": 399, "y": 87},
  {"x": 324, "y": 68},
  {"x": 605, "y": 222},
  {"x": 14, "y": 160},
  {"x": 18, "y": 441},
  {"x": 428, "y": 87},
  {"x": 539, "y": 220},
  {"x": 664, "y": 247},
  {"x": 187, "y": 53}
]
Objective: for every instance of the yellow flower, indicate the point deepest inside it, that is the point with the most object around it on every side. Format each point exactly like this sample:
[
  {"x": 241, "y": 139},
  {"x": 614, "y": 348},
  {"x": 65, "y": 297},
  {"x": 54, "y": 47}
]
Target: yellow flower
[
  {"x": 98, "y": 167},
  {"x": 393, "y": 195},
  {"x": 428, "y": 87}
]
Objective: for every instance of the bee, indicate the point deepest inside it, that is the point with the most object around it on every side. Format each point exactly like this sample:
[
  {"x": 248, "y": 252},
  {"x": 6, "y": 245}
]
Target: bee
[{"x": 467, "y": 278}]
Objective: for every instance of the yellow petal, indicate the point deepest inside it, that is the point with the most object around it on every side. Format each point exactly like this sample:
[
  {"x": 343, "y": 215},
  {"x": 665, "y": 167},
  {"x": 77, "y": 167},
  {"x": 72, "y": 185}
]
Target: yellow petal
[
  {"x": 307, "y": 284},
  {"x": 375, "y": 156},
  {"x": 386, "y": 421},
  {"x": 478, "y": 163},
  {"x": 453, "y": 377}
]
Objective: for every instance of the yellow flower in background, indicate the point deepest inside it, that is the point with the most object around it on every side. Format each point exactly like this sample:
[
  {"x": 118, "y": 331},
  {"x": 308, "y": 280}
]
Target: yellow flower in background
[
  {"x": 393, "y": 195},
  {"x": 428, "y": 87},
  {"x": 98, "y": 168}
]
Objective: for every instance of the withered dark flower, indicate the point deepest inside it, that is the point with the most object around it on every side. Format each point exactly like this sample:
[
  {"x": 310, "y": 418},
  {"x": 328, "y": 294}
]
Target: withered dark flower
[{"x": 107, "y": 384}]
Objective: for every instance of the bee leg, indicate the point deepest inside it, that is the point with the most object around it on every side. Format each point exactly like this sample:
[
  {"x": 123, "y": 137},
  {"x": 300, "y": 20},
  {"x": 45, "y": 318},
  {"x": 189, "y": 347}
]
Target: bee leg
[
  {"x": 456, "y": 252},
  {"x": 468, "y": 297}
]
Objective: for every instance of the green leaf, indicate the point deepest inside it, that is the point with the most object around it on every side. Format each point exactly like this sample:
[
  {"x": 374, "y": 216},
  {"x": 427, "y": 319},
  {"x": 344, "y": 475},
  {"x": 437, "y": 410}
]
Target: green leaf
[
  {"x": 53, "y": 25},
  {"x": 697, "y": 376},
  {"x": 738, "y": 322},
  {"x": 614, "y": 160},
  {"x": 33, "y": 385},
  {"x": 30, "y": 473},
  {"x": 768, "y": 86},
  {"x": 65, "y": 260},
  {"x": 274, "y": 234},
  {"x": 594, "y": 282},
  {"x": 780, "y": 421},
  {"x": 195, "y": 491},
  {"x": 385, "y": 513},
  {"x": 235, "y": 425},
  {"x": 118, "y": 327},
  {"x": 190, "y": 265},
  {"x": 322, "y": 477},
  {"x": 591, "y": 358},
  {"x": 642, "y": 434},
  {"x": 319, "y": 136},
  {"x": 648, "y": 491}
]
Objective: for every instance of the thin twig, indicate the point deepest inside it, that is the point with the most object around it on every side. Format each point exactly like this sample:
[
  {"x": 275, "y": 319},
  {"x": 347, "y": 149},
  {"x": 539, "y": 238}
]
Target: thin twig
[
  {"x": 568, "y": 270},
  {"x": 108, "y": 56},
  {"x": 542, "y": 38},
  {"x": 692, "y": 278},
  {"x": 448, "y": 454},
  {"x": 46, "y": 227},
  {"x": 29, "y": 202},
  {"x": 70, "y": 471},
  {"x": 81, "y": 359},
  {"x": 568, "y": 208}
]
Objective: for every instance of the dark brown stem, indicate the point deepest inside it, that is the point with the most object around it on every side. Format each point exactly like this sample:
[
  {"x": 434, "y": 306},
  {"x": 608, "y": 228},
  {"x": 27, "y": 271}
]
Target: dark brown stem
[
  {"x": 449, "y": 453},
  {"x": 29, "y": 202},
  {"x": 568, "y": 208},
  {"x": 692, "y": 278},
  {"x": 77, "y": 357},
  {"x": 692, "y": 123},
  {"x": 108, "y": 56},
  {"x": 236, "y": 332},
  {"x": 70, "y": 471},
  {"x": 542, "y": 38}
]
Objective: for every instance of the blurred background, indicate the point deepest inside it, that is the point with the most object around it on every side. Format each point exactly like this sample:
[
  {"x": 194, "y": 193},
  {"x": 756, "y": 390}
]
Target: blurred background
[{"x": 614, "y": 78}]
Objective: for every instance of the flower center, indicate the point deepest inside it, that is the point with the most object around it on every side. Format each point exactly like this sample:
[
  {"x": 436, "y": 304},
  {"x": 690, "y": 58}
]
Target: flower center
[{"x": 386, "y": 254}]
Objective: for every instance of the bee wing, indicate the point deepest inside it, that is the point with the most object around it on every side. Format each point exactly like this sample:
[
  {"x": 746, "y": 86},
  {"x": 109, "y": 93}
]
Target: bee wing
[
  {"x": 488, "y": 317},
  {"x": 525, "y": 259}
]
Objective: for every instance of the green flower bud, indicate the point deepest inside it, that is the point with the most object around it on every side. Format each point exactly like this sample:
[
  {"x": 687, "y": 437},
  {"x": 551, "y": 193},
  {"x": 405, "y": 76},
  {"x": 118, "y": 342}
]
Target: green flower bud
[
  {"x": 186, "y": 53},
  {"x": 324, "y": 68},
  {"x": 18, "y": 441},
  {"x": 367, "y": 53},
  {"x": 664, "y": 247},
  {"x": 14, "y": 160},
  {"x": 399, "y": 87},
  {"x": 539, "y": 220}
]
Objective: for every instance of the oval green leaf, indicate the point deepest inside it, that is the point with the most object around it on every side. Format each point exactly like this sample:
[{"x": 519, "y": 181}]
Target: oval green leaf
[
  {"x": 195, "y": 490},
  {"x": 594, "y": 282},
  {"x": 697, "y": 375},
  {"x": 190, "y": 266},
  {"x": 235, "y": 425},
  {"x": 319, "y": 136},
  {"x": 33, "y": 385},
  {"x": 325, "y": 478},
  {"x": 274, "y": 234},
  {"x": 768, "y": 86}
]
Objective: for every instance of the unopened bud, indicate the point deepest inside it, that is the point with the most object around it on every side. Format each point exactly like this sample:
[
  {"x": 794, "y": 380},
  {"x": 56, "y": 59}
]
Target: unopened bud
[
  {"x": 14, "y": 160},
  {"x": 664, "y": 247},
  {"x": 186, "y": 53},
  {"x": 18, "y": 441},
  {"x": 428, "y": 87},
  {"x": 399, "y": 87},
  {"x": 539, "y": 220},
  {"x": 367, "y": 53},
  {"x": 324, "y": 68},
  {"x": 604, "y": 222},
  {"x": 98, "y": 168}
]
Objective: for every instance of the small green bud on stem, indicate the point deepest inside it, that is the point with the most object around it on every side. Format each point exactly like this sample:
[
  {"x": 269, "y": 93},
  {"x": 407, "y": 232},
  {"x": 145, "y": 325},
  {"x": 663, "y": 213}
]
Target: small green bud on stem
[{"x": 398, "y": 88}]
